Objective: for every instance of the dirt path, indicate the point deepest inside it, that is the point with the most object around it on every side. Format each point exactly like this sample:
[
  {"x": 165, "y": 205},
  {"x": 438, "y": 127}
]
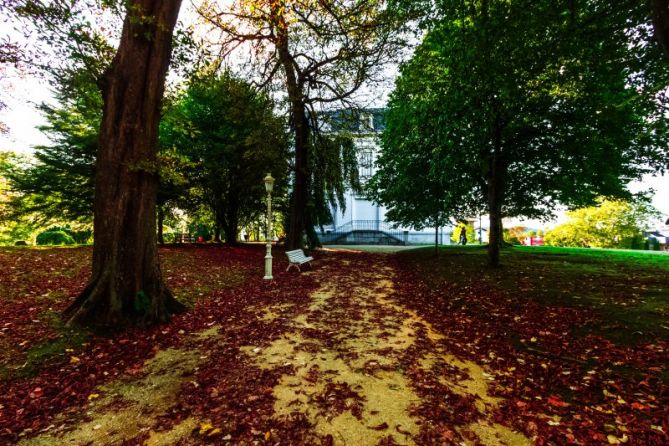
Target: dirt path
[
  {"x": 359, "y": 367},
  {"x": 352, "y": 351}
]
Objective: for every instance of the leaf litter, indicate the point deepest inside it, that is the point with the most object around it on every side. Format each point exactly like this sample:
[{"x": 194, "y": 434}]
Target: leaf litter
[{"x": 359, "y": 351}]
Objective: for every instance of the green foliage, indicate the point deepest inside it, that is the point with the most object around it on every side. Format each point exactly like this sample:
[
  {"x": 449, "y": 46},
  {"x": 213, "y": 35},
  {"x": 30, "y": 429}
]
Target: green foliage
[
  {"x": 333, "y": 170},
  {"x": 54, "y": 238},
  {"x": 142, "y": 303},
  {"x": 610, "y": 224},
  {"x": 63, "y": 235},
  {"x": 226, "y": 129},
  {"x": 470, "y": 232},
  {"x": 516, "y": 234},
  {"x": 58, "y": 184},
  {"x": 518, "y": 106}
]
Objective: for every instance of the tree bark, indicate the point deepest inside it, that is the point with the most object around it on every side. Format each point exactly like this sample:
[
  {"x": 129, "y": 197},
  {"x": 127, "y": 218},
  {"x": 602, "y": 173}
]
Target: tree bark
[
  {"x": 126, "y": 285},
  {"x": 495, "y": 182},
  {"x": 436, "y": 241},
  {"x": 300, "y": 196},
  {"x": 659, "y": 10},
  {"x": 230, "y": 229},
  {"x": 161, "y": 220},
  {"x": 298, "y": 113}
]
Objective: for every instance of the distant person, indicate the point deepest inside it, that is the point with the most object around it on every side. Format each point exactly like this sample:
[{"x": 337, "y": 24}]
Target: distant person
[{"x": 463, "y": 235}]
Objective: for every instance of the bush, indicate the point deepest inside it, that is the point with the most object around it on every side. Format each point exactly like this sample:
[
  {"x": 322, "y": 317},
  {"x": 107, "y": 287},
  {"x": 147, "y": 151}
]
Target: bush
[
  {"x": 54, "y": 238},
  {"x": 79, "y": 237},
  {"x": 199, "y": 230},
  {"x": 20, "y": 243},
  {"x": 636, "y": 242}
]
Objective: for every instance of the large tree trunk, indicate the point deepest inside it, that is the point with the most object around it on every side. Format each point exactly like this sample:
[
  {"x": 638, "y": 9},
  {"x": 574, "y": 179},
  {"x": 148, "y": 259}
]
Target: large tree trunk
[
  {"x": 660, "y": 15},
  {"x": 230, "y": 224},
  {"x": 495, "y": 183},
  {"x": 297, "y": 221},
  {"x": 126, "y": 286},
  {"x": 161, "y": 220}
]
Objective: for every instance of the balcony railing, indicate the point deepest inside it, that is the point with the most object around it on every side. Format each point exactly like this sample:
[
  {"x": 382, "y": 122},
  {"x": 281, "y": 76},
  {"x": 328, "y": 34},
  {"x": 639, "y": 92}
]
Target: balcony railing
[{"x": 366, "y": 232}]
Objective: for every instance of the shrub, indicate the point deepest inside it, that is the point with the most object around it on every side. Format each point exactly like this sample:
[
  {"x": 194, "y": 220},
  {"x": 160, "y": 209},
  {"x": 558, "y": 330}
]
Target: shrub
[
  {"x": 79, "y": 237},
  {"x": 200, "y": 230},
  {"x": 54, "y": 238}
]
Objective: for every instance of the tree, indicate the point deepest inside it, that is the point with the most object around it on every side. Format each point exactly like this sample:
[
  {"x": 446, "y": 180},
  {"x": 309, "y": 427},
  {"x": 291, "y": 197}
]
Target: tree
[
  {"x": 523, "y": 110},
  {"x": 325, "y": 52},
  {"x": 610, "y": 224},
  {"x": 58, "y": 185},
  {"x": 126, "y": 286},
  {"x": 228, "y": 131}
]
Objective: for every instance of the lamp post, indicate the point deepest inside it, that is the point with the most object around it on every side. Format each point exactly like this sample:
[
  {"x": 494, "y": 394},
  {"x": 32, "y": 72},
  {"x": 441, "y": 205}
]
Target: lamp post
[{"x": 269, "y": 184}]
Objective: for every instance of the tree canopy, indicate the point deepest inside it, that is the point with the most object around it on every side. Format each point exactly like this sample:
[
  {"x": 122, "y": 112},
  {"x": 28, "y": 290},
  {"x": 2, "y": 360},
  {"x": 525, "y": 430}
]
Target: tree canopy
[
  {"x": 520, "y": 105},
  {"x": 609, "y": 224},
  {"x": 58, "y": 184},
  {"x": 232, "y": 138},
  {"x": 318, "y": 54}
]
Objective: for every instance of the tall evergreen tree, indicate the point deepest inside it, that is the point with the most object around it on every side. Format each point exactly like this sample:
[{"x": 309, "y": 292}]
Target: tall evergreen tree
[{"x": 58, "y": 184}]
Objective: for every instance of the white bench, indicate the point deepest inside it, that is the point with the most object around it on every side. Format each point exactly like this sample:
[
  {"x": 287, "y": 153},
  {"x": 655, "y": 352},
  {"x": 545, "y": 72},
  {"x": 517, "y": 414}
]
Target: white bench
[{"x": 297, "y": 258}]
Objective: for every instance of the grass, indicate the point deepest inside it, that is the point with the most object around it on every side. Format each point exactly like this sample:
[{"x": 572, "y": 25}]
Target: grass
[
  {"x": 629, "y": 289},
  {"x": 42, "y": 354}
]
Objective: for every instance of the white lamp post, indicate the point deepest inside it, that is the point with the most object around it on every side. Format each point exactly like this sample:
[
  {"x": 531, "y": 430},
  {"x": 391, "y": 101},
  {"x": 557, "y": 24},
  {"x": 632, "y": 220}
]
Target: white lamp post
[{"x": 269, "y": 184}]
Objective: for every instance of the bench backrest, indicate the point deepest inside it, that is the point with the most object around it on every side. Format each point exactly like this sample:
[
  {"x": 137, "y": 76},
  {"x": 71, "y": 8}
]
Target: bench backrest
[{"x": 295, "y": 255}]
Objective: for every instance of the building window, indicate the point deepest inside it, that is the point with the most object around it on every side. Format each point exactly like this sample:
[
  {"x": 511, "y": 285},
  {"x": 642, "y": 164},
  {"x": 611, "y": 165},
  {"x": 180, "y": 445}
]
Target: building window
[
  {"x": 367, "y": 122},
  {"x": 366, "y": 164}
]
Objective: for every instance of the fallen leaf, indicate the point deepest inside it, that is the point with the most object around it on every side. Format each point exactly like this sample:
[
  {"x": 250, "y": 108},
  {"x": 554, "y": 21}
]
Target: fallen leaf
[
  {"x": 205, "y": 427},
  {"x": 214, "y": 432}
]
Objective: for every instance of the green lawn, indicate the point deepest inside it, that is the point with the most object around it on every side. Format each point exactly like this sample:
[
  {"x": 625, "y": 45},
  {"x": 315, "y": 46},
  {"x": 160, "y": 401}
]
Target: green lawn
[{"x": 630, "y": 289}]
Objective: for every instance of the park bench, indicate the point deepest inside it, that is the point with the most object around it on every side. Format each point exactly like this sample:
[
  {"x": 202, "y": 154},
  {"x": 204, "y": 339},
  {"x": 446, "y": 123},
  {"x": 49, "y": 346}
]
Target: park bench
[{"x": 297, "y": 258}]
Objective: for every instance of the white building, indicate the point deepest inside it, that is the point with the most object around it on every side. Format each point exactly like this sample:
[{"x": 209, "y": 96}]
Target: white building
[{"x": 362, "y": 221}]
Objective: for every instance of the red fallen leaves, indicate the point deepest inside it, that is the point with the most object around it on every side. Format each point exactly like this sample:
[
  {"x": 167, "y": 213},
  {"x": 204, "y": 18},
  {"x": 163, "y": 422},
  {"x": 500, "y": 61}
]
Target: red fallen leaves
[
  {"x": 338, "y": 398},
  {"x": 558, "y": 387},
  {"x": 557, "y": 378},
  {"x": 554, "y": 400},
  {"x": 36, "y": 393},
  {"x": 32, "y": 403}
]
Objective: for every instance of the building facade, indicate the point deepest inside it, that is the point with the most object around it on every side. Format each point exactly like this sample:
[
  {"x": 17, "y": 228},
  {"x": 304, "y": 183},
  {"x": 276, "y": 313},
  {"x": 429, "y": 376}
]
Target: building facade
[{"x": 362, "y": 221}]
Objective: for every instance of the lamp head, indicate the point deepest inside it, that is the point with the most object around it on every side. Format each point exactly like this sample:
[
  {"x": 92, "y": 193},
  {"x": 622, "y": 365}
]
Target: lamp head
[{"x": 269, "y": 183}]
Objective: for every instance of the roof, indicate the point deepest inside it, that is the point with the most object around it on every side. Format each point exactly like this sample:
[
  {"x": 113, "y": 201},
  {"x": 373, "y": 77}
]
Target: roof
[{"x": 354, "y": 120}]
